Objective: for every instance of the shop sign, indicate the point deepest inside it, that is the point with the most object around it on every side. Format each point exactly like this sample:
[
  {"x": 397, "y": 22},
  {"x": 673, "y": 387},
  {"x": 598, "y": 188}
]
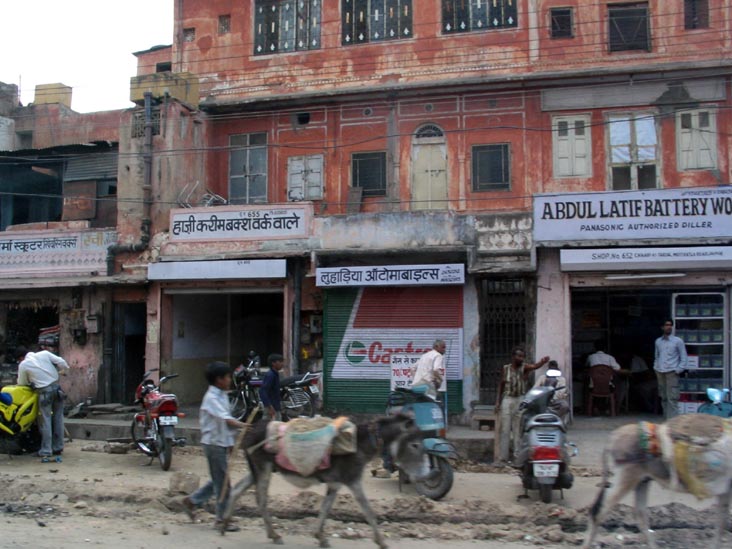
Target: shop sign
[
  {"x": 623, "y": 259},
  {"x": 401, "y": 370},
  {"x": 240, "y": 223},
  {"x": 217, "y": 270},
  {"x": 391, "y": 275},
  {"x": 52, "y": 253},
  {"x": 634, "y": 215},
  {"x": 372, "y": 353}
]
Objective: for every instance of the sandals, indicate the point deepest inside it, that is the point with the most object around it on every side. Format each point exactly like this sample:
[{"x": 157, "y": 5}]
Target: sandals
[{"x": 47, "y": 459}]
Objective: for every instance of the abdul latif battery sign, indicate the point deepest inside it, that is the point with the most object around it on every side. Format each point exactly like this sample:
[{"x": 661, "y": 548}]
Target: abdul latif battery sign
[{"x": 634, "y": 215}]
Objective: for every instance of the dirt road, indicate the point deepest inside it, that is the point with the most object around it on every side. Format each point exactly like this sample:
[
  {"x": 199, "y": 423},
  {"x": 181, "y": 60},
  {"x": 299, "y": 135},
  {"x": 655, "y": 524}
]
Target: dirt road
[{"x": 106, "y": 499}]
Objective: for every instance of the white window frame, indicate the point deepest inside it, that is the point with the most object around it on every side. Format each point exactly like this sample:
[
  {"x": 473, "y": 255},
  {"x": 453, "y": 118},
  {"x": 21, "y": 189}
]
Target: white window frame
[
  {"x": 634, "y": 161},
  {"x": 700, "y": 140},
  {"x": 572, "y": 145},
  {"x": 247, "y": 173},
  {"x": 305, "y": 185}
]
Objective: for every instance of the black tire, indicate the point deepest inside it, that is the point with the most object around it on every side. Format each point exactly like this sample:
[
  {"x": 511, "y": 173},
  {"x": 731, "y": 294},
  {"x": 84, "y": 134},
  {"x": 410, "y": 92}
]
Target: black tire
[
  {"x": 143, "y": 444},
  {"x": 298, "y": 405},
  {"x": 436, "y": 488},
  {"x": 239, "y": 406},
  {"x": 165, "y": 451},
  {"x": 545, "y": 492}
]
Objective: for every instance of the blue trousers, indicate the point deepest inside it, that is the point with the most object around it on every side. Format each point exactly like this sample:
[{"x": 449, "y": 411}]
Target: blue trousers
[
  {"x": 217, "y": 457},
  {"x": 50, "y": 420}
]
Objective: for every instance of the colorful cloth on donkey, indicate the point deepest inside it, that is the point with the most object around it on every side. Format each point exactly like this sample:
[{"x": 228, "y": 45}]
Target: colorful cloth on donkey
[{"x": 304, "y": 445}]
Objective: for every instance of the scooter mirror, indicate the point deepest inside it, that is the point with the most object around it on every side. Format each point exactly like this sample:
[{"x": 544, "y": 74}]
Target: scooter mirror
[{"x": 553, "y": 372}]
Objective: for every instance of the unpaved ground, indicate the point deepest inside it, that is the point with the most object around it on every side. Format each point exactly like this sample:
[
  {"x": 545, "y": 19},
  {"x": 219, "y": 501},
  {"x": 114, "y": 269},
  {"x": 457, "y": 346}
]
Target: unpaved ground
[{"x": 119, "y": 501}]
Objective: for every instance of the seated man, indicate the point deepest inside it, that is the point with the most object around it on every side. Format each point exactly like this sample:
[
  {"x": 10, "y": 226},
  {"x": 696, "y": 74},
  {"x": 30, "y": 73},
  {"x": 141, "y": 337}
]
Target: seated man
[{"x": 554, "y": 378}]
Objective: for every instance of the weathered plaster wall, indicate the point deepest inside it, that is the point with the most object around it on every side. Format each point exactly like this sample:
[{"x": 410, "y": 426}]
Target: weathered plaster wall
[
  {"x": 7, "y": 134},
  {"x": 471, "y": 344},
  {"x": 553, "y": 310}
]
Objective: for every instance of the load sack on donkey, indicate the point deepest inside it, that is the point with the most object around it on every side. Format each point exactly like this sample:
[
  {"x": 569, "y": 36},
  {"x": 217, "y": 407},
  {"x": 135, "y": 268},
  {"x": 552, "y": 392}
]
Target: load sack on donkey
[
  {"x": 305, "y": 445},
  {"x": 699, "y": 449}
]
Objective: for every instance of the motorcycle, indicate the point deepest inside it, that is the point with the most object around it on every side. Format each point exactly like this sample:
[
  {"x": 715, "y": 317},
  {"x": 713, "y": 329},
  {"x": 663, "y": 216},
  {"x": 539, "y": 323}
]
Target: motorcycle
[
  {"x": 247, "y": 380},
  {"x": 19, "y": 409},
  {"x": 153, "y": 429},
  {"x": 297, "y": 393},
  {"x": 719, "y": 403},
  {"x": 430, "y": 420},
  {"x": 543, "y": 455}
]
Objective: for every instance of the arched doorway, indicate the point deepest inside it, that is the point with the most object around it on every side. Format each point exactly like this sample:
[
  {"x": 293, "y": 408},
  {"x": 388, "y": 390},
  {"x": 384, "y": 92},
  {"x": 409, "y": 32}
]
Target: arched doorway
[{"x": 429, "y": 168}]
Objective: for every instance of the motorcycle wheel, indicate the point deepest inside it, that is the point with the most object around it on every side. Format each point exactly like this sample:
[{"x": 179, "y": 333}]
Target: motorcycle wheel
[
  {"x": 238, "y": 405},
  {"x": 302, "y": 407},
  {"x": 165, "y": 452},
  {"x": 545, "y": 492},
  {"x": 437, "y": 487},
  {"x": 143, "y": 444}
]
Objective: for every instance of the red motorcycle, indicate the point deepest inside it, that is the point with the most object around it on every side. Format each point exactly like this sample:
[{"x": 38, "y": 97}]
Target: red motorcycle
[{"x": 153, "y": 429}]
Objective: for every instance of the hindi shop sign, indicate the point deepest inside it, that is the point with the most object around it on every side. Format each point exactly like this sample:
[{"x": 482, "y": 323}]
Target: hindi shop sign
[
  {"x": 392, "y": 275},
  {"x": 401, "y": 370},
  {"x": 634, "y": 215},
  {"x": 240, "y": 223}
]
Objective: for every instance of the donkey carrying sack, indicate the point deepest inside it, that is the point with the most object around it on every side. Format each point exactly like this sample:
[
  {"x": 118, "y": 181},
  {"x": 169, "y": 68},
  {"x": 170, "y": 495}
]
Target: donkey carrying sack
[{"x": 304, "y": 445}]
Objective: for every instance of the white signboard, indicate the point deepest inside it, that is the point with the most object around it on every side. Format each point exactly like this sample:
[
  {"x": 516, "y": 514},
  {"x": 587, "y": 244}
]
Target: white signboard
[
  {"x": 622, "y": 259},
  {"x": 240, "y": 223},
  {"x": 401, "y": 367},
  {"x": 369, "y": 353},
  {"x": 217, "y": 270},
  {"x": 51, "y": 253},
  {"x": 661, "y": 213},
  {"x": 392, "y": 275}
]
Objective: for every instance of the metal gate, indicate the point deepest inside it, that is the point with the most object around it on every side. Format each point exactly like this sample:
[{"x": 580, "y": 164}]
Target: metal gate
[{"x": 505, "y": 313}]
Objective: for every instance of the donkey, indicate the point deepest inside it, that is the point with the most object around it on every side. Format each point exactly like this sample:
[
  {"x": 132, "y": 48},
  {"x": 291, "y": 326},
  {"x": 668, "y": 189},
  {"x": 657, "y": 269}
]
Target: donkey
[
  {"x": 690, "y": 453},
  {"x": 396, "y": 434}
]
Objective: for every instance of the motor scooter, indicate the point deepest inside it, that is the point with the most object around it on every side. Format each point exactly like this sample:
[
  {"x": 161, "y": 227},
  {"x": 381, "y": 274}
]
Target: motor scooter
[
  {"x": 153, "y": 429},
  {"x": 719, "y": 403},
  {"x": 18, "y": 413},
  {"x": 430, "y": 420},
  {"x": 543, "y": 454}
]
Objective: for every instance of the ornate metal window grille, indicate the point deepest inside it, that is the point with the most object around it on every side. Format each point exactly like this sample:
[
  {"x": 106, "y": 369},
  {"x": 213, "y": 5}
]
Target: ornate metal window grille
[
  {"x": 473, "y": 15},
  {"x": 282, "y": 26},
  {"x": 138, "y": 122},
  {"x": 429, "y": 130},
  {"x": 375, "y": 20}
]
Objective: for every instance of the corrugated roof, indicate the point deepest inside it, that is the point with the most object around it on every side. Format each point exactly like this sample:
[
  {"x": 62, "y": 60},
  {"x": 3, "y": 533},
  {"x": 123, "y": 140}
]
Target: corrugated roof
[{"x": 92, "y": 167}]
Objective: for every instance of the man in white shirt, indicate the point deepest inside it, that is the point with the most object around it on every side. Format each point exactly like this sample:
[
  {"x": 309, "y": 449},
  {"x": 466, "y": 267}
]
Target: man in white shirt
[
  {"x": 41, "y": 371},
  {"x": 430, "y": 369},
  {"x": 601, "y": 357},
  {"x": 670, "y": 361}
]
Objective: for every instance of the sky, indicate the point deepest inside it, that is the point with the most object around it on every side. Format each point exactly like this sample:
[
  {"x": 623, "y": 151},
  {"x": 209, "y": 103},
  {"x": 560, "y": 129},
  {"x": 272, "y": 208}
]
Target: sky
[{"x": 85, "y": 44}]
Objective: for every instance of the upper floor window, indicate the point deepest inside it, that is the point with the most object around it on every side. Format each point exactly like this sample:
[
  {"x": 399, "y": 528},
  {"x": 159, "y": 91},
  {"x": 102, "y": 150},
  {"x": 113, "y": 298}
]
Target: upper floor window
[
  {"x": 248, "y": 168},
  {"x": 471, "y": 15},
  {"x": 561, "y": 22},
  {"x": 375, "y": 20},
  {"x": 492, "y": 167},
  {"x": 286, "y": 25},
  {"x": 368, "y": 171},
  {"x": 633, "y": 151},
  {"x": 572, "y": 146},
  {"x": 696, "y": 139},
  {"x": 305, "y": 177},
  {"x": 696, "y": 14},
  {"x": 629, "y": 27}
]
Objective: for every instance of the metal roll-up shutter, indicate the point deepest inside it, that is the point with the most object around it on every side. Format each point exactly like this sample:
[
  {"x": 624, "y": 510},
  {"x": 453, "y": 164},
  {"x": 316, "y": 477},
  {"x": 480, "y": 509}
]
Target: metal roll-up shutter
[
  {"x": 365, "y": 329},
  {"x": 92, "y": 167}
]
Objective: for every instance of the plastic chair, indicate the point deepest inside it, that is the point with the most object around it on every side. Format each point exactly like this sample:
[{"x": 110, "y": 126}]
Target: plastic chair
[{"x": 601, "y": 378}]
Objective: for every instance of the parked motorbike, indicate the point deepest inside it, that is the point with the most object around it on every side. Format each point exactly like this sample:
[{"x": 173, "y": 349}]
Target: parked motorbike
[
  {"x": 297, "y": 393},
  {"x": 18, "y": 413},
  {"x": 247, "y": 380},
  {"x": 153, "y": 429},
  {"x": 431, "y": 422},
  {"x": 543, "y": 454},
  {"x": 719, "y": 403}
]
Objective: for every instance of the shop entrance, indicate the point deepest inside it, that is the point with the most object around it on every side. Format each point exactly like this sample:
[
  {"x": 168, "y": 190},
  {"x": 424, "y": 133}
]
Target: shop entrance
[
  {"x": 215, "y": 326},
  {"x": 26, "y": 321},
  {"x": 129, "y": 350},
  {"x": 628, "y": 322}
]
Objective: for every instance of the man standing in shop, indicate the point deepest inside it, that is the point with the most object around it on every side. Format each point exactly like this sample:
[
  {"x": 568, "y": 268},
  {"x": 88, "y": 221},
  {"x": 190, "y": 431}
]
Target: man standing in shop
[{"x": 670, "y": 362}]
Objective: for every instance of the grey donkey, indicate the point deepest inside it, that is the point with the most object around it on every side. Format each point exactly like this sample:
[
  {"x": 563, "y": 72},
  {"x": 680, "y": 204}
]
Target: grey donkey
[
  {"x": 690, "y": 453},
  {"x": 396, "y": 434}
]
